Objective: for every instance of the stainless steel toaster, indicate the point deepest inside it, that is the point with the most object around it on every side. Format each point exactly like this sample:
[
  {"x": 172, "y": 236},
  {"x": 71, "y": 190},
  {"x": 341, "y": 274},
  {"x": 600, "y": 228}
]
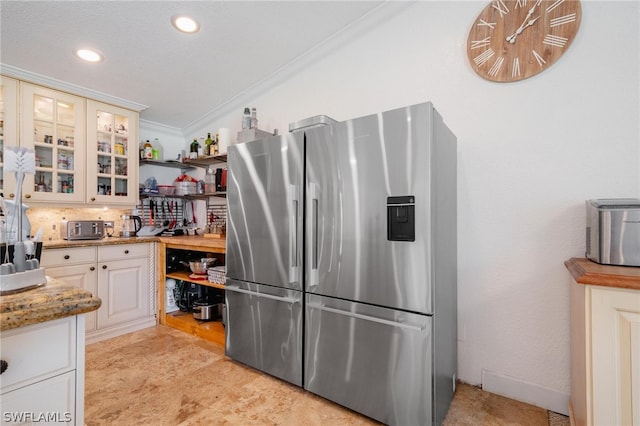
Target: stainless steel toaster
[
  {"x": 613, "y": 231},
  {"x": 82, "y": 229}
]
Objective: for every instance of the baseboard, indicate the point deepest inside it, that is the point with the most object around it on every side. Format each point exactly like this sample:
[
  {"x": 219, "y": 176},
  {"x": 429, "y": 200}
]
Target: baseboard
[
  {"x": 530, "y": 393},
  {"x": 129, "y": 327}
]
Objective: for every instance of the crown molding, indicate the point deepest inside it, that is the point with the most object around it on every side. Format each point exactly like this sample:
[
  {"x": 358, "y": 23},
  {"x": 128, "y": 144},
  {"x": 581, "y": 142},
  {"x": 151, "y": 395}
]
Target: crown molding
[
  {"x": 32, "y": 77},
  {"x": 153, "y": 126},
  {"x": 365, "y": 23}
]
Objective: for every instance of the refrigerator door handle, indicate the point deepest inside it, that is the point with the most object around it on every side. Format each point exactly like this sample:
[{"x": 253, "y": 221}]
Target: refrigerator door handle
[
  {"x": 293, "y": 233},
  {"x": 313, "y": 237},
  {"x": 285, "y": 299},
  {"x": 366, "y": 317}
]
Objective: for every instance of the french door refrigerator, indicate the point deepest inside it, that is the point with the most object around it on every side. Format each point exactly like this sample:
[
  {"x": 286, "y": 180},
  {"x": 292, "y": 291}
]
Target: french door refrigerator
[
  {"x": 378, "y": 301},
  {"x": 263, "y": 287}
]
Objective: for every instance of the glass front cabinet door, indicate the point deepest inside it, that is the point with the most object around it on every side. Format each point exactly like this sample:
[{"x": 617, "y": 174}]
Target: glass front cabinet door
[
  {"x": 52, "y": 124},
  {"x": 112, "y": 155},
  {"x": 8, "y": 121}
]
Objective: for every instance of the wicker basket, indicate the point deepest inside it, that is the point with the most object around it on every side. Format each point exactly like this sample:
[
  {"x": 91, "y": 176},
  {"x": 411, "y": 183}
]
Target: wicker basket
[{"x": 216, "y": 274}]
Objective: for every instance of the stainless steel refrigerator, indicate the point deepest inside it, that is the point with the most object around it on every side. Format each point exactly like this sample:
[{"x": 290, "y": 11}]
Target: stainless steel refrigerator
[{"x": 378, "y": 300}]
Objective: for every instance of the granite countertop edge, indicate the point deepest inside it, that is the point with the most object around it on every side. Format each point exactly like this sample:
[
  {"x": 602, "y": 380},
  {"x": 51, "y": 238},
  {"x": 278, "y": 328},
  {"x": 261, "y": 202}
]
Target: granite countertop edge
[
  {"x": 51, "y": 301},
  {"x": 195, "y": 240}
]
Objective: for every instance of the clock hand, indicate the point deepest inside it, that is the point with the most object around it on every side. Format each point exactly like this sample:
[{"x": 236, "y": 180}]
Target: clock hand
[{"x": 512, "y": 38}]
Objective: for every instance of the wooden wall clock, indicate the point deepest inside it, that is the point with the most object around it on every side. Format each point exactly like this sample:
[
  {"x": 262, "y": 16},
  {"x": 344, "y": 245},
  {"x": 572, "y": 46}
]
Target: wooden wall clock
[{"x": 515, "y": 39}]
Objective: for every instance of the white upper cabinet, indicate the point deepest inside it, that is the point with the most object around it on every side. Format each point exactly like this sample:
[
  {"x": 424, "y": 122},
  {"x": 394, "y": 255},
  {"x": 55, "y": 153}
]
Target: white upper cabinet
[
  {"x": 112, "y": 155},
  {"x": 52, "y": 124}
]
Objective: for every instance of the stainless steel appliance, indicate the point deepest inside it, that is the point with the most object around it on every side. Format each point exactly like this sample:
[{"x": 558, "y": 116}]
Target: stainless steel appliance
[
  {"x": 613, "y": 231},
  {"x": 82, "y": 229},
  {"x": 263, "y": 287},
  {"x": 379, "y": 252}
]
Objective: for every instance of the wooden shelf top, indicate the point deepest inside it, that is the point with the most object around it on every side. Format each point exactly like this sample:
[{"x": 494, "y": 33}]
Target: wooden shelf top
[
  {"x": 585, "y": 271},
  {"x": 184, "y": 276},
  {"x": 196, "y": 242}
]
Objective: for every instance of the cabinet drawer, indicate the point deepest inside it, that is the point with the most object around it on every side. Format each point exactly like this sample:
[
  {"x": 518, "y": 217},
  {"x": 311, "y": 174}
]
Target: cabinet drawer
[
  {"x": 68, "y": 256},
  {"x": 37, "y": 352},
  {"x": 55, "y": 396},
  {"x": 123, "y": 251}
]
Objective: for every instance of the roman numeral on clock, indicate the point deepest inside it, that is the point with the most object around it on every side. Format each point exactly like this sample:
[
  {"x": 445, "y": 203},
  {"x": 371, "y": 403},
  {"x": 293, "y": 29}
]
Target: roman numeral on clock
[
  {"x": 554, "y": 40},
  {"x": 553, "y": 6},
  {"x": 500, "y": 7},
  {"x": 475, "y": 44},
  {"x": 495, "y": 69},
  {"x": 484, "y": 23},
  {"x": 515, "y": 70},
  {"x": 483, "y": 57},
  {"x": 521, "y": 3},
  {"x": 538, "y": 58},
  {"x": 555, "y": 22}
]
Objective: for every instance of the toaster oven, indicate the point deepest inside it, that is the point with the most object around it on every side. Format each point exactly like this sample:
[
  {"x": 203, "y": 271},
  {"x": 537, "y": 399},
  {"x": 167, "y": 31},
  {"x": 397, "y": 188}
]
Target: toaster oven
[{"x": 613, "y": 231}]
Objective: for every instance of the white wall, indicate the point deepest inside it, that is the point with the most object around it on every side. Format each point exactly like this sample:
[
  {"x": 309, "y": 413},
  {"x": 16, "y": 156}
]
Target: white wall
[{"x": 530, "y": 153}]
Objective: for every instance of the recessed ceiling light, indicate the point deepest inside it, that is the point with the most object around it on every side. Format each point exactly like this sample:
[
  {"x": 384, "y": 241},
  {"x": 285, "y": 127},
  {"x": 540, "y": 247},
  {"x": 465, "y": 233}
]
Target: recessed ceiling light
[
  {"x": 89, "y": 55},
  {"x": 185, "y": 24}
]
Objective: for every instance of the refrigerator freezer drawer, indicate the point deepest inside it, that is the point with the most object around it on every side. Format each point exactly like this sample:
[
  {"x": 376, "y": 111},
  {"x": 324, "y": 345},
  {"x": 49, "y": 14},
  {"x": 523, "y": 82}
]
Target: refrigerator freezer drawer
[
  {"x": 374, "y": 360},
  {"x": 264, "y": 328}
]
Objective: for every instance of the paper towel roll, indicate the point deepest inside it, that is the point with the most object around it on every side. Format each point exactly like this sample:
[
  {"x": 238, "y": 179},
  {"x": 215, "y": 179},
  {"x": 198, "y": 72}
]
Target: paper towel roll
[{"x": 224, "y": 139}]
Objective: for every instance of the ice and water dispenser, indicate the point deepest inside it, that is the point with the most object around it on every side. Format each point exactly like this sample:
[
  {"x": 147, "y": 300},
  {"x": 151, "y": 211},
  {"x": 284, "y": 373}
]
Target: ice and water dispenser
[{"x": 401, "y": 218}]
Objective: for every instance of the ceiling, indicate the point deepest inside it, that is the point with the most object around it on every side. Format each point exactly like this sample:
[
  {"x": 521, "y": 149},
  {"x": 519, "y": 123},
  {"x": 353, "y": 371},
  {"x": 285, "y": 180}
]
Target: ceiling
[{"x": 174, "y": 78}]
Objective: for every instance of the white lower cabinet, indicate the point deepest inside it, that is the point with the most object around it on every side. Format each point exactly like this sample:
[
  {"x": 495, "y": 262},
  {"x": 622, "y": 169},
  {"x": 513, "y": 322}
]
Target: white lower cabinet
[
  {"x": 124, "y": 290},
  {"x": 605, "y": 355},
  {"x": 84, "y": 276},
  {"x": 121, "y": 275},
  {"x": 44, "y": 378}
]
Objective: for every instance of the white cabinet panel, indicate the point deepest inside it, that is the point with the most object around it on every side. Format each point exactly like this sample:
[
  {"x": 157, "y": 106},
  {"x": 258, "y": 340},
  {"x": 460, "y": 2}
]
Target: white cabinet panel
[
  {"x": 49, "y": 402},
  {"x": 124, "y": 291},
  {"x": 83, "y": 276},
  {"x": 616, "y": 356},
  {"x": 605, "y": 355},
  {"x": 38, "y": 352}
]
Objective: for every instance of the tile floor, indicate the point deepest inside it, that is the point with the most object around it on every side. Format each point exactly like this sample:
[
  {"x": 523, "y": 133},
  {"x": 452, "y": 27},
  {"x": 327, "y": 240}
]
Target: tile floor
[{"x": 161, "y": 376}]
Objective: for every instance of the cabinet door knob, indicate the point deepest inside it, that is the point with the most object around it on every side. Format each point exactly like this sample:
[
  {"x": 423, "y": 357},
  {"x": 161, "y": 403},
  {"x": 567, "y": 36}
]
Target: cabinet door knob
[
  {"x": 93, "y": 268},
  {"x": 126, "y": 252},
  {"x": 3, "y": 366},
  {"x": 12, "y": 195},
  {"x": 104, "y": 266},
  {"x": 93, "y": 198},
  {"x": 27, "y": 195},
  {"x": 67, "y": 257}
]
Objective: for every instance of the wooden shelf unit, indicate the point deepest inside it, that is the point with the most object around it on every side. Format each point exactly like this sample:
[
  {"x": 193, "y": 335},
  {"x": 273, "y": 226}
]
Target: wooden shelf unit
[
  {"x": 185, "y": 276},
  {"x": 212, "y": 331}
]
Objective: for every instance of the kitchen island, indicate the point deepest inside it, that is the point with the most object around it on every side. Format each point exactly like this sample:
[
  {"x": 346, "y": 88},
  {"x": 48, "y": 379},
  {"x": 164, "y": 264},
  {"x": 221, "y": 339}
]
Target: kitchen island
[
  {"x": 605, "y": 343},
  {"x": 209, "y": 330},
  {"x": 42, "y": 350}
]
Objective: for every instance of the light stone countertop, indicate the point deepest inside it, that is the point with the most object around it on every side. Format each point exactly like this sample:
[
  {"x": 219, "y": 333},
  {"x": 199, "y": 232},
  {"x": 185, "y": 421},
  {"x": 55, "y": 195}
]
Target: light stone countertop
[
  {"x": 103, "y": 242},
  {"x": 53, "y": 300}
]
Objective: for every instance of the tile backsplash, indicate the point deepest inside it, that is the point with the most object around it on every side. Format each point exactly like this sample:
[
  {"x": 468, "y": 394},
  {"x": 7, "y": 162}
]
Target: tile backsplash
[{"x": 49, "y": 218}]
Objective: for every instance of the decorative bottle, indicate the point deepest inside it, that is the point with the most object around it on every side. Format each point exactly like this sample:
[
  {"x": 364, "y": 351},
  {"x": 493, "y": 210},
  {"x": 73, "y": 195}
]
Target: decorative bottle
[
  {"x": 193, "y": 150},
  {"x": 246, "y": 119},
  {"x": 208, "y": 151},
  {"x": 148, "y": 150},
  {"x": 254, "y": 118}
]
